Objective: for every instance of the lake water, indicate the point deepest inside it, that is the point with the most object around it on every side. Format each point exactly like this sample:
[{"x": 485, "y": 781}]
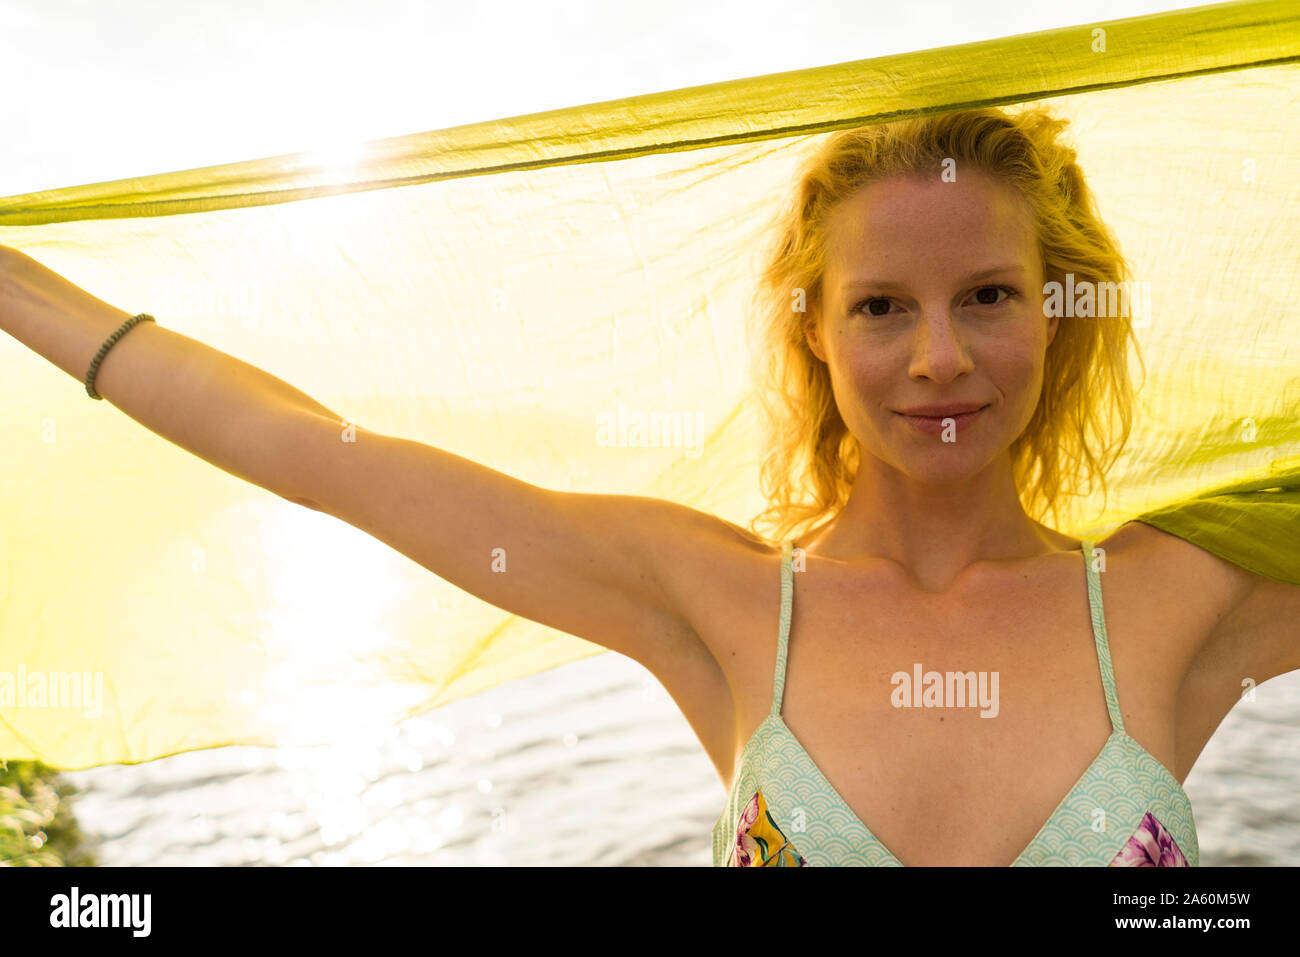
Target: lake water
[{"x": 590, "y": 763}]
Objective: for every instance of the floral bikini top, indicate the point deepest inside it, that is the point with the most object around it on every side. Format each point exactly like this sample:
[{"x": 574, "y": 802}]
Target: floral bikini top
[{"x": 1125, "y": 810}]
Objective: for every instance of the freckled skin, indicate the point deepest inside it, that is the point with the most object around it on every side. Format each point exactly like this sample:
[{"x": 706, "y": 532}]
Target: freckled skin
[
  {"x": 943, "y": 338},
  {"x": 939, "y": 342}
]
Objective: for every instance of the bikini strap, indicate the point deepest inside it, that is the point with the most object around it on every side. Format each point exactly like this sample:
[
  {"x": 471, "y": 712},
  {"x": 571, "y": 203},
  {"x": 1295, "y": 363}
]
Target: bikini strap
[
  {"x": 1098, "y": 613},
  {"x": 783, "y": 640}
]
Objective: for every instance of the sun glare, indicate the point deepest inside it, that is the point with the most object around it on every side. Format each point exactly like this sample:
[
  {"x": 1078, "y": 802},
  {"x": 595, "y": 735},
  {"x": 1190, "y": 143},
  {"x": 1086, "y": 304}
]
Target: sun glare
[{"x": 338, "y": 159}]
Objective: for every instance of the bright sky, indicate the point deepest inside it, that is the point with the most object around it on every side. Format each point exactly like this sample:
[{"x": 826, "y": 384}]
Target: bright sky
[{"x": 97, "y": 90}]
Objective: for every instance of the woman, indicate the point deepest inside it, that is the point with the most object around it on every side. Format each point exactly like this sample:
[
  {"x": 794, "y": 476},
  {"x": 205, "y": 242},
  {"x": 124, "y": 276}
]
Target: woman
[{"x": 924, "y": 395}]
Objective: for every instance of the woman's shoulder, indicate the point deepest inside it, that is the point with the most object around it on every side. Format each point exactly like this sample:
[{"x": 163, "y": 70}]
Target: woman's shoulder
[
  {"x": 1156, "y": 557},
  {"x": 1188, "y": 588},
  {"x": 1160, "y": 553}
]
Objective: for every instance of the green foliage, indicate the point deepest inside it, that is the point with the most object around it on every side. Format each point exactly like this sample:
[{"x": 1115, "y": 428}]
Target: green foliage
[{"x": 37, "y": 828}]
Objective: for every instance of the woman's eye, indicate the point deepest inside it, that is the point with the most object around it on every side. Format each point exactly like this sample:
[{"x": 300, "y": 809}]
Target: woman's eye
[
  {"x": 879, "y": 305},
  {"x": 869, "y": 303},
  {"x": 995, "y": 290}
]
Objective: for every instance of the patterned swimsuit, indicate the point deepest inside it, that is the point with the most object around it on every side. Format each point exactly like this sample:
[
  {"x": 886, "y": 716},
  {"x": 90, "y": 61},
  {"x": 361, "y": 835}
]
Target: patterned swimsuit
[{"x": 1125, "y": 810}]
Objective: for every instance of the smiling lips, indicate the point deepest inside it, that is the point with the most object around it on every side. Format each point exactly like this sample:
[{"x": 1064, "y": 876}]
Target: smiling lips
[
  {"x": 931, "y": 419},
  {"x": 939, "y": 411}
]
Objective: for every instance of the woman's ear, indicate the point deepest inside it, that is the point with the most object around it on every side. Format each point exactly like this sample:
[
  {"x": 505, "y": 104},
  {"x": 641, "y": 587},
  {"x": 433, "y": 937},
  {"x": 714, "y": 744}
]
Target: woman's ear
[
  {"x": 1051, "y": 328},
  {"x": 812, "y": 335}
]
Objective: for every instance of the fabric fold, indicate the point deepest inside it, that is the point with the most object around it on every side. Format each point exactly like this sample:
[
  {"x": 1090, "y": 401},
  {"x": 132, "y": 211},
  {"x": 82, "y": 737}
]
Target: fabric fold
[{"x": 1253, "y": 523}]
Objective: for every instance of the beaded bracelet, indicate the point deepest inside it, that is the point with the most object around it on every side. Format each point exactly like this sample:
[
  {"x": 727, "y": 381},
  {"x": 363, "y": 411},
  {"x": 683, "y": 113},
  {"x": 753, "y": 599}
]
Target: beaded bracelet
[{"x": 108, "y": 344}]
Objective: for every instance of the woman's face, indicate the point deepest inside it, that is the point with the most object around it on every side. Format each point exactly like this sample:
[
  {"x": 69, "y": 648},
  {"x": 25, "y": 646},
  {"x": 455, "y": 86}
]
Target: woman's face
[{"x": 911, "y": 317}]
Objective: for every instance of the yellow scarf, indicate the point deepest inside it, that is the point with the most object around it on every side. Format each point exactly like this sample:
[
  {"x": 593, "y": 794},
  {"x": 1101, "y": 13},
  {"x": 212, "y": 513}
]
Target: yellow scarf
[{"x": 526, "y": 293}]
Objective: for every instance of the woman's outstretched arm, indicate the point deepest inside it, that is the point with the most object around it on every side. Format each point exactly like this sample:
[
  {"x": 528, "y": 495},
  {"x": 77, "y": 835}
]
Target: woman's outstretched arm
[
  {"x": 225, "y": 411},
  {"x": 630, "y": 573}
]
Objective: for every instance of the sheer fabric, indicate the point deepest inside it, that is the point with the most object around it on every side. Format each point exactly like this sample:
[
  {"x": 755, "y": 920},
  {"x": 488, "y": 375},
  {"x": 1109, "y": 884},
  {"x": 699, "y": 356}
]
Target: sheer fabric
[{"x": 563, "y": 297}]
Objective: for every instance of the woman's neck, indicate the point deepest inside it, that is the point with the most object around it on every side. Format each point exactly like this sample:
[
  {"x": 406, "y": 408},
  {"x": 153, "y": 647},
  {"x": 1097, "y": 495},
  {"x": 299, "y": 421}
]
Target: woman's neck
[{"x": 933, "y": 532}]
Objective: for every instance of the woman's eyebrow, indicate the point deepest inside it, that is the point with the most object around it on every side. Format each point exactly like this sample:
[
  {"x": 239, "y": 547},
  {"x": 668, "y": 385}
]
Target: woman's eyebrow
[{"x": 857, "y": 283}]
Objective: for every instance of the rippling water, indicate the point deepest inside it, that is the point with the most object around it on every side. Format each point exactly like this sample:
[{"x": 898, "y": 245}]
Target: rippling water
[{"x": 590, "y": 763}]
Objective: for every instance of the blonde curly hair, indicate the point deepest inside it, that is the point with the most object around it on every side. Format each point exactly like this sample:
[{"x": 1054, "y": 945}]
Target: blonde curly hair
[{"x": 810, "y": 457}]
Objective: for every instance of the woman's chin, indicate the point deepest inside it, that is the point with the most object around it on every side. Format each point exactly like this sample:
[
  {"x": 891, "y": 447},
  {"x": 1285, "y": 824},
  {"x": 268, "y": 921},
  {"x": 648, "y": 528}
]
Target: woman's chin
[{"x": 942, "y": 466}]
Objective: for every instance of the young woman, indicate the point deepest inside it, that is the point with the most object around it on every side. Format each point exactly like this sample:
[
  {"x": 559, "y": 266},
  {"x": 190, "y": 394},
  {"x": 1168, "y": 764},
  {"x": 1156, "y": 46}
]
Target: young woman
[{"x": 912, "y": 668}]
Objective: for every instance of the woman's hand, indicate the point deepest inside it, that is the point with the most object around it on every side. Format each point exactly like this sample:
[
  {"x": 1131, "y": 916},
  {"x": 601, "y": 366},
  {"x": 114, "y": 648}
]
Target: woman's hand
[{"x": 51, "y": 315}]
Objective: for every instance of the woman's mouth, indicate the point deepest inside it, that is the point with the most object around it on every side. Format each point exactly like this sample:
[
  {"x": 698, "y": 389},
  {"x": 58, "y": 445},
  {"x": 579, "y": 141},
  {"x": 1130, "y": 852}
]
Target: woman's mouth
[{"x": 934, "y": 424}]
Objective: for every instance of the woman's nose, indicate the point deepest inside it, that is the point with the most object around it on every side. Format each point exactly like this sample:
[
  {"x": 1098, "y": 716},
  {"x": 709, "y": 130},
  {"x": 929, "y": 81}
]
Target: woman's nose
[{"x": 938, "y": 349}]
